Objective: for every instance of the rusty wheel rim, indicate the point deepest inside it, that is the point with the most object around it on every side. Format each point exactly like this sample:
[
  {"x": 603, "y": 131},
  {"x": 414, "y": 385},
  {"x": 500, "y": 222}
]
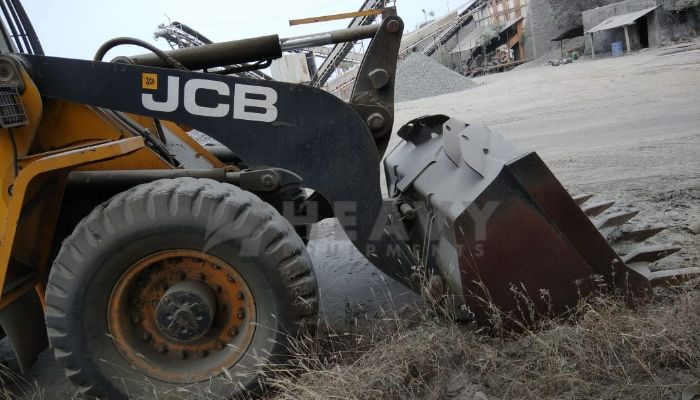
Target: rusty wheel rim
[{"x": 159, "y": 325}]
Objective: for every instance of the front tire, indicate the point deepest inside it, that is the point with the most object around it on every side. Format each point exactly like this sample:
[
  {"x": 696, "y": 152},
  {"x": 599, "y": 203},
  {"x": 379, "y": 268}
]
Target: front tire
[{"x": 171, "y": 283}]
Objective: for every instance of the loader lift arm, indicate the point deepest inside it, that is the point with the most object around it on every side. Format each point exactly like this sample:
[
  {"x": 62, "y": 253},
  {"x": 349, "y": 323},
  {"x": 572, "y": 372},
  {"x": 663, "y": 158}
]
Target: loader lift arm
[{"x": 264, "y": 122}]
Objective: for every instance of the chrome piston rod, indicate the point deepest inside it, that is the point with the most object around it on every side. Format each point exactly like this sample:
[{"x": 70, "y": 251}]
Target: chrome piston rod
[{"x": 332, "y": 37}]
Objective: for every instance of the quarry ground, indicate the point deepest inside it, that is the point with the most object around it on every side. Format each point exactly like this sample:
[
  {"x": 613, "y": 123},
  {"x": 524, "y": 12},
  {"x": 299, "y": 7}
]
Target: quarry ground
[{"x": 625, "y": 129}]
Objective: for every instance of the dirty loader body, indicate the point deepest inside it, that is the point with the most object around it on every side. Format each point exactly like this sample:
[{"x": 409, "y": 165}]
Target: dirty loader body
[{"x": 488, "y": 226}]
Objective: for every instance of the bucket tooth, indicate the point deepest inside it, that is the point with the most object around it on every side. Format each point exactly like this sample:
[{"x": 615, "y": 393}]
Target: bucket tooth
[
  {"x": 673, "y": 277},
  {"x": 612, "y": 222},
  {"x": 640, "y": 259},
  {"x": 582, "y": 198},
  {"x": 642, "y": 268},
  {"x": 649, "y": 254},
  {"x": 596, "y": 208},
  {"x": 640, "y": 235}
]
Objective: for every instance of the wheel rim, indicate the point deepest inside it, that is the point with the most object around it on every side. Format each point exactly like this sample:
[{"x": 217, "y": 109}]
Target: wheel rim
[{"x": 181, "y": 316}]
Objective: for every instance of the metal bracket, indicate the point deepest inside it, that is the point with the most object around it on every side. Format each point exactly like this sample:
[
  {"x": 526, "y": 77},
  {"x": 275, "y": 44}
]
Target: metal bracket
[
  {"x": 266, "y": 180},
  {"x": 373, "y": 94}
]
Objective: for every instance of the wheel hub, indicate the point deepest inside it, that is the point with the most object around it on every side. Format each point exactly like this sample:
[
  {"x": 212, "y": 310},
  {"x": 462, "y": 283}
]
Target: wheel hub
[
  {"x": 186, "y": 311},
  {"x": 181, "y": 316}
]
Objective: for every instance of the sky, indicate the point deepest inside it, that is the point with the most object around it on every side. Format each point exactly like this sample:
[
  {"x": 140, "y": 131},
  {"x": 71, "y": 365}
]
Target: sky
[{"x": 76, "y": 28}]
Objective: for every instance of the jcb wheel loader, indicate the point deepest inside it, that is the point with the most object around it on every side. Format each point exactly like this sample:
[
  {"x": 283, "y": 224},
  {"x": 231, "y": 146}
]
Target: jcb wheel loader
[{"x": 152, "y": 263}]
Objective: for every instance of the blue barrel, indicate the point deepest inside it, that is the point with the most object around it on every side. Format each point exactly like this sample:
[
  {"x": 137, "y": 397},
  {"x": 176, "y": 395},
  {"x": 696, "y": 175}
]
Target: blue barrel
[{"x": 617, "y": 49}]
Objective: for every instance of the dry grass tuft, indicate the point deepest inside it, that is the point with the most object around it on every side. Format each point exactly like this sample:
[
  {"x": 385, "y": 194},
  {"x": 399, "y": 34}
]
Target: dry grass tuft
[
  {"x": 604, "y": 351},
  {"x": 14, "y": 386}
]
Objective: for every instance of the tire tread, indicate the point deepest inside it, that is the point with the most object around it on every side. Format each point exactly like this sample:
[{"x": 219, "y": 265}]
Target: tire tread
[{"x": 294, "y": 269}]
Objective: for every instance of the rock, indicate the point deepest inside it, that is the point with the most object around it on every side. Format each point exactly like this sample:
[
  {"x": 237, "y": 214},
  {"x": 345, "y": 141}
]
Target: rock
[
  {"x": 454, "y": 389},
  {"x": 494, "y": 381},
  {"x": 480, "y": 396},
  {"x": 695, "y": 228},
  {"x": 459, "y": 388},
  {"x": 691, "y": 392}
]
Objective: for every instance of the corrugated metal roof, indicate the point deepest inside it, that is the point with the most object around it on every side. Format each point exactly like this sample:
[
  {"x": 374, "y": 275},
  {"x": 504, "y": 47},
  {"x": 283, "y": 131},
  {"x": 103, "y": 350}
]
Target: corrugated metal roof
[{"x": 621, "y": 20}]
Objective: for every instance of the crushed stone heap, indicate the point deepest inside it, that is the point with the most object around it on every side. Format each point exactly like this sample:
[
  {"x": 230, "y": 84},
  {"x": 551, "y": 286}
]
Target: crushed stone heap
[{"x": 419, "y": 76}]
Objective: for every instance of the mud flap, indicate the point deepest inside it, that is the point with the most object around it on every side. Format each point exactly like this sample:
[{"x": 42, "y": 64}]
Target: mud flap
[{"x": 23, "y": 323}]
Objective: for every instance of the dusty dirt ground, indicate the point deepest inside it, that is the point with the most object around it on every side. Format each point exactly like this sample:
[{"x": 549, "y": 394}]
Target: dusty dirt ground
[{"x": 626, "y": 129}]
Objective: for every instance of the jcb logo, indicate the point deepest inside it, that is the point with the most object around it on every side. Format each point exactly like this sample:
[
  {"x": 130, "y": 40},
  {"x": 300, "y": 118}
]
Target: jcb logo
[{"x": 250, "y": 103}]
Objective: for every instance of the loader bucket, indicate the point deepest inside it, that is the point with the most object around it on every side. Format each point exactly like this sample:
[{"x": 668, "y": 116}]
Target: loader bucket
[{"x": 497, "y": 226}]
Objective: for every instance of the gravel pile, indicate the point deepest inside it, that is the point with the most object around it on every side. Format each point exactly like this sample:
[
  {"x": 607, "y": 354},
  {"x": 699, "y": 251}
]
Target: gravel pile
[{"x": 419, "y": 76}]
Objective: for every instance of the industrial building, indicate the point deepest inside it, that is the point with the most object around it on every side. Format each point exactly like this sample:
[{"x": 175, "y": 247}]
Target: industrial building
[{"x": 637, "y": 24}]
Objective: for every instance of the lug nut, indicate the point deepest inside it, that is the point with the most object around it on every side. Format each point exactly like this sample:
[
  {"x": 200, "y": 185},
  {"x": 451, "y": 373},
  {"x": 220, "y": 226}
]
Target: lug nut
[
  {"x": 162, "y": 349},
  {"x": 145, "y": 336},
  {"x": 217, "y": 288},
  {"x": 219, "y": 344},
  {"x": 201, "y": 276},
  {"x": 135, "y": 319},
  {"x": 241, "y": 313},
  {"x": 230, "y": 279},
  {"x": 203, "y": 353},
  {"x": 239, "y": 295},
  {"x": 233, "y": 332}
]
